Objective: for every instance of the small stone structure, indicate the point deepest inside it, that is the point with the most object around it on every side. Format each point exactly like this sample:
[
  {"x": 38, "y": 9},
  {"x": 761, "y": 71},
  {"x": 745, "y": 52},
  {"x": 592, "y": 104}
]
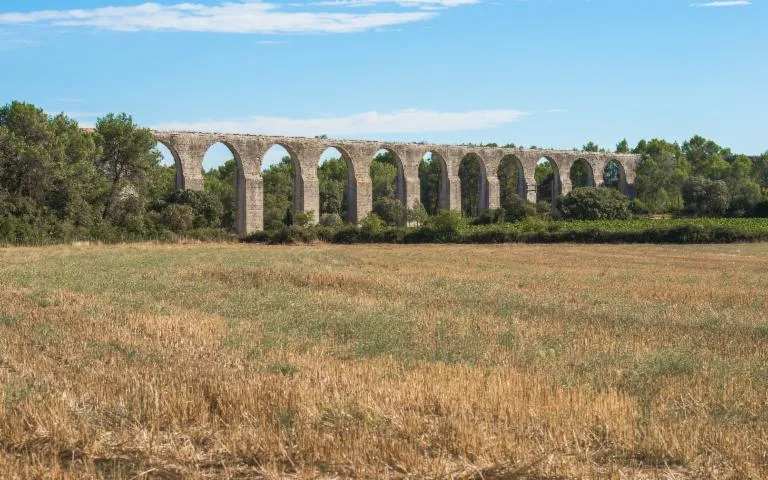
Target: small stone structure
[{"x": 189, "y": 148}]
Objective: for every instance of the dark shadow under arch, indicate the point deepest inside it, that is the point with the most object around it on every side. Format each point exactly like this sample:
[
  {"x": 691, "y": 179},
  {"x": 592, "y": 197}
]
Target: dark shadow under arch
[
  {"x": 548, "y": 186},
  {"x": 511, "y": 175},
  {"x": 614, "y": 176}
]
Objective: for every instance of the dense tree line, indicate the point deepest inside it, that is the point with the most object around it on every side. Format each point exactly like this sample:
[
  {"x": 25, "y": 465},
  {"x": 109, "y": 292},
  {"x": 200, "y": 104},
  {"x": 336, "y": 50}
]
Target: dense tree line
[
  {"x": 700, "y": 177},
  {"x": 59, "y": 182}
]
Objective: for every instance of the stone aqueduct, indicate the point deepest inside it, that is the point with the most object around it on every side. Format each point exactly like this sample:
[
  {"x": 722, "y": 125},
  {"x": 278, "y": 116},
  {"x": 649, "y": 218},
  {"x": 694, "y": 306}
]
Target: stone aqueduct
[{"x": 189, "y": 149}]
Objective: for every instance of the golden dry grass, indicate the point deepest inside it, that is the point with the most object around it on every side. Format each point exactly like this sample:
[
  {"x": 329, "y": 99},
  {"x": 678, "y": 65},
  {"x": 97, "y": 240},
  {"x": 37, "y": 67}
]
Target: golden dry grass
[{"x": 495, "y": 362}]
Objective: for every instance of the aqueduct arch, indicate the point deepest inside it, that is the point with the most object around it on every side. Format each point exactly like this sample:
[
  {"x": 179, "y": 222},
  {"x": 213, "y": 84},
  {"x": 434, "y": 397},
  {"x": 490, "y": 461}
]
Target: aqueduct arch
[
  {"x": 179, "y": 181},
  {"x": 402, "y": 185},
  {"x": 582, "y": 168},
  {"x": 468, "y": 161},
  {"x": 189, "y": 148}
]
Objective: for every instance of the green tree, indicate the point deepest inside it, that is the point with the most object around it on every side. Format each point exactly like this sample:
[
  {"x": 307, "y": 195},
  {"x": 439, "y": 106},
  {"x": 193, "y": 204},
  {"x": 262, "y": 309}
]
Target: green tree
[
  {"x": 706, "y": 197},
  {"x": 278, "y": 194},
  {"x": 221, "y": 182},
  {"x": 384, "y": 176},
  {"x": 545, "y": 179},
  {"x": 580, "y": 174},
  {"x": 429, "y": 180},
  {"x": 47, "y": 175},
  {"x": 508, "y": 182},
  {"x": 127, "y": 155},
  {"x": 470, "y": 175},
  {"x": 622, "y": 146},
  {"x": 743, "y": 186},
  {"x": 77, "y": 184},
  {"x": 28, "y": 169},
  {"x": 162, "y": 183},
  {"x": 660, "y": 176},
  {"x": 332, "y": 176},
  {"x": 761, "y": 170},
  {"x": 706, "y": 158},
  {"x": 591, "y": 147}
]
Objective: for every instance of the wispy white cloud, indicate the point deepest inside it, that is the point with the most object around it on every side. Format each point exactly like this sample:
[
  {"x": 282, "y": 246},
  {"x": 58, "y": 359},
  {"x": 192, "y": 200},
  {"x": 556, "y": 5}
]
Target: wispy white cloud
[
  {"x": 424, "y": 4},
  {"x": 557, "y": 110},
  {"x": 234, "y": 17},
  {"x": 726, "y": 3},
  {"x": 369, "y": 123}
]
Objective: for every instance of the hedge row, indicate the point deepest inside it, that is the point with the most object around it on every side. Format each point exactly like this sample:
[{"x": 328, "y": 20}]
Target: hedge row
[{"x": 677, "y": 234}]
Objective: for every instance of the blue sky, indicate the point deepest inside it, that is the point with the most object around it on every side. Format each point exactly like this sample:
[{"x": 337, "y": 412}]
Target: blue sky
[{"x": 553, "y": 73}]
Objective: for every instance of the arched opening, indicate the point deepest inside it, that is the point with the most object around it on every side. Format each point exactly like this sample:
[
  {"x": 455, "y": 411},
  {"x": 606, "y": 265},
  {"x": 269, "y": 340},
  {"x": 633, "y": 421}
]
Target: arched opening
[
  {"x": 613, "y": 175},
  {"x": 474, "y": 189},
  {"x": 169, "y": 174},
  {"x": 433, "y": 177},
  {"x": 278, "y": 173},
  {"x": 388, "y": 188},
  {"x": 547, "y": 178},
  {"x": 581, "y": 174},
  {"x": 336, "y": 180},
  {"x": 221, "y": 194},
  {"x": 512, "y": 186}
]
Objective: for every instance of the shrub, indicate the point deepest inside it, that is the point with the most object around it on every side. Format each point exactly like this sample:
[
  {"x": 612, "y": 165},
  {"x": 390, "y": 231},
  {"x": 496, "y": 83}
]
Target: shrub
[
  {"x": 274, "y": 224},
  {"x": 517, "y": 208},
  {"x": 637, "y": 207},
  {"x": 533, "y": 224},
  {"x": 706, "y": 197},
  {"x": 331, "y": 220},
  {"x": 744, "y": 195},
  {"x": 591, "y": 203},
  {"x": 294, "y": 234},
  {"x": 443, "y": 227},
  {"x": 418, "y": 214},
  {"x": 760, "y": 209},
  {"x": 259, "y": 237},
  {"x": 206, "y": 206},
  {"x": 492, "y": 216},
  {"x": 390, "y": 210},
  {"x": 178, "y": 218},
  {"x": 128, "y": 213},
  {"x": 543, "y": 209},
  {"x": 372, "y": 225},
  {"x": 346, "y": 235},
  {"x": 304, "y": 219},
  {"x": 446, "y": 220}
]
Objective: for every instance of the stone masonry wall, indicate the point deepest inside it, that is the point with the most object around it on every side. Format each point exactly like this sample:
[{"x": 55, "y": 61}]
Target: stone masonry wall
[{"x": 189, "y": 148}]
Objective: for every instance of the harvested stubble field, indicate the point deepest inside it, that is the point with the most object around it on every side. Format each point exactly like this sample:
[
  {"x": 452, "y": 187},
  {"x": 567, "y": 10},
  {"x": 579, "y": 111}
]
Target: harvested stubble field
[{"x": 529, "y": 362}]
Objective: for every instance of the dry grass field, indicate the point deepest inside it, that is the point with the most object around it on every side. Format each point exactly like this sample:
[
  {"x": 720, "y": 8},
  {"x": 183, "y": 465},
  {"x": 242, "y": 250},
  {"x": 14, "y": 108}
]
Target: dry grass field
[{"x": 487, "y": 362}]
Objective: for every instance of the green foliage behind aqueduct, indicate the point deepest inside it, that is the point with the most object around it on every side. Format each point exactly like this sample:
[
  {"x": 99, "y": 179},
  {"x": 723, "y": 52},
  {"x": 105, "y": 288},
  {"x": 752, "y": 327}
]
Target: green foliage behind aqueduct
[{"x": 60, "y": 183}]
